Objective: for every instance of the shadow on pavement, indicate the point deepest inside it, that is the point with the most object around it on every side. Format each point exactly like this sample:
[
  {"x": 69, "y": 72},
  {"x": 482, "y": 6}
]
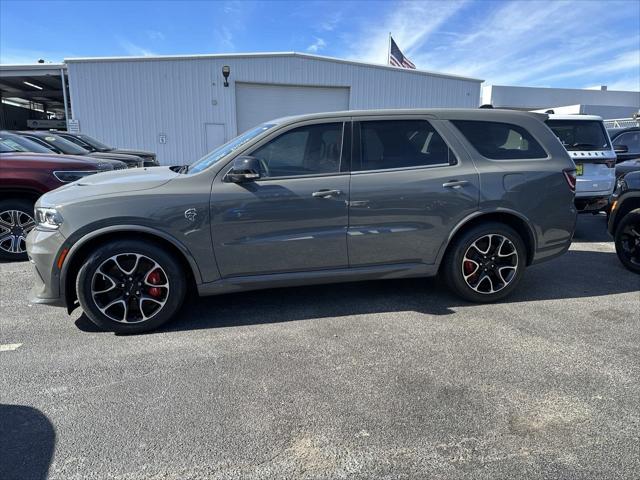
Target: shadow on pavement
[
  {"x": 27, "y": 442},
  {"x": 591, "y": 229},
  {"x": 576, "y": 274}
]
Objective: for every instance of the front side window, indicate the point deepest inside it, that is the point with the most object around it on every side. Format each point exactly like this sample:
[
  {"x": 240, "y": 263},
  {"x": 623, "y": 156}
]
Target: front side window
[
  {"x": 500, "y": 141},
  {"x": 580, "y": 134},
  {"x": 630, "y": 139},
  {"x": 308, "y": 150},
  {"x": 401, "y": 144}
]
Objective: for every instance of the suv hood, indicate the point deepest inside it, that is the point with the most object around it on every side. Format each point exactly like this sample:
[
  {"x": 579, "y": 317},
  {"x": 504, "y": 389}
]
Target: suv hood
[{"x": 108, "y": 183}]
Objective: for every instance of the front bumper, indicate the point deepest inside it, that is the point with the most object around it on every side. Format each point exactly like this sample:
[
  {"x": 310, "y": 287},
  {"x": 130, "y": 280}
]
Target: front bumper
[{"x": 43, "y": 247}]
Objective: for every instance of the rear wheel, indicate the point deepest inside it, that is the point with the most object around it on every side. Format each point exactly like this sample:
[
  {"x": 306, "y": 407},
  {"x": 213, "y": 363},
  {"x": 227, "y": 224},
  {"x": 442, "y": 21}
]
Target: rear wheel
[
  {"x": 627, "y": 240},
  {"x": 16, "y": 221},
  {"x": 130, "y": 287},
  {"x": 485, "y": 263}
]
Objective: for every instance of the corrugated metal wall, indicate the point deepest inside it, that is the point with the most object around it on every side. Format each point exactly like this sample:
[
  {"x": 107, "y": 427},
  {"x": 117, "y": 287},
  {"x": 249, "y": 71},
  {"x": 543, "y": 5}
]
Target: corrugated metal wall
[{"x": 131, "y": 103}]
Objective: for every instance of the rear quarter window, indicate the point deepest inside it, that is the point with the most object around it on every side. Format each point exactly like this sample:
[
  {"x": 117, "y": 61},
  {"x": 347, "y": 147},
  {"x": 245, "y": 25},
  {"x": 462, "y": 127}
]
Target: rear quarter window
[{"x": 500, "y": 141}]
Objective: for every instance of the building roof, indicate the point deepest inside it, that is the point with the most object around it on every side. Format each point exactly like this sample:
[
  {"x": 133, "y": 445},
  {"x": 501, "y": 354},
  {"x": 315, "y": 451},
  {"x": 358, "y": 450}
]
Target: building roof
[{"x": 266, "y": 55}]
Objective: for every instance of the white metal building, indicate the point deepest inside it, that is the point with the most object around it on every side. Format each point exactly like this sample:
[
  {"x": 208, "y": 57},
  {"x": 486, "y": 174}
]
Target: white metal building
[
  {"x": 603, "y": 102},
  {"x": 179, "y": 107}
]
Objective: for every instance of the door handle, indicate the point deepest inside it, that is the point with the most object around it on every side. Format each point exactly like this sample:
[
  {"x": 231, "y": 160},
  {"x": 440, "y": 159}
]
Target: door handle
[
  {"x": 455, "y": 183},
  {"x": 326, "y": 193}
]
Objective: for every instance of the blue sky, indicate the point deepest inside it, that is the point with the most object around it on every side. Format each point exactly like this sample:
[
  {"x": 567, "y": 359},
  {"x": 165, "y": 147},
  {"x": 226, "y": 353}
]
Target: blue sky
[{"x": 573, "y": 43}]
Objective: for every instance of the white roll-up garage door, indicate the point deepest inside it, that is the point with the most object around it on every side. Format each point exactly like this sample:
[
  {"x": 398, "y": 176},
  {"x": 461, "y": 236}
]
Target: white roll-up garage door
[{"x": 257, "y": 102}]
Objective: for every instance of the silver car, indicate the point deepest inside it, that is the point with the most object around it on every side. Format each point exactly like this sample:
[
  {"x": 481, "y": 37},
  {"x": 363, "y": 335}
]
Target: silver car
[{"x": 473, "y": 195}]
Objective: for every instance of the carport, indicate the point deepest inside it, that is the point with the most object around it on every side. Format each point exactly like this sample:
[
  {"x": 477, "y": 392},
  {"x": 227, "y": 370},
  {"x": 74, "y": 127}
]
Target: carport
[{"x": 33, "y": 96}]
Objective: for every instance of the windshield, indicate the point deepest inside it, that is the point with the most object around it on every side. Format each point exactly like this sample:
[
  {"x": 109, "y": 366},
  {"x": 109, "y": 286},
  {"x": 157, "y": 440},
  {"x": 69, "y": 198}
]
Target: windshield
[
  {"x": 95, "y": 143},
  {"x": 580, "y": 134},
  {"x": 65, "y": 146},
  {"x": 224, "y": 150},
  {"x": 17, "y": 143}
]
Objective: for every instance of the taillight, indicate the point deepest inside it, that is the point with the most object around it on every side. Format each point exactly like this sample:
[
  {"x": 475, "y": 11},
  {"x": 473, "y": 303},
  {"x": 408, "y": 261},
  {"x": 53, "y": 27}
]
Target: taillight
[{"x": 570, "y": 177}]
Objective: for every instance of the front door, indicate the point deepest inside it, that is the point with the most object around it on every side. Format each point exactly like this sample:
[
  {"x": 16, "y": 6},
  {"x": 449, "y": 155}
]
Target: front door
[
  {"x": 294, "y": 218},
  {"x": 408, "y": 190}
]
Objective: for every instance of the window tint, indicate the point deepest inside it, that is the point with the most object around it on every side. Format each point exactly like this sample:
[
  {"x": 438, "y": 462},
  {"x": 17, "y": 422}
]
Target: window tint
[
  {"x": 630, "y": 139},
  {"x": 401, "y": 143},
  {"x": 314, "y": 149},
  {"x": 580, "y": 134},
  {"x": 500, "y": 141}
]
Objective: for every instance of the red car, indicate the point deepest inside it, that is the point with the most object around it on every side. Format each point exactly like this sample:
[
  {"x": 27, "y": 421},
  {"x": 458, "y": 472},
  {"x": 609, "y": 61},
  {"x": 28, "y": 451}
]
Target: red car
[{"x": 23, "y": 178}]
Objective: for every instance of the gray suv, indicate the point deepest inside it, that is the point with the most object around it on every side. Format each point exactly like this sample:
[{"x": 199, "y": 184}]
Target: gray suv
[{"x": 475, "y": 195}]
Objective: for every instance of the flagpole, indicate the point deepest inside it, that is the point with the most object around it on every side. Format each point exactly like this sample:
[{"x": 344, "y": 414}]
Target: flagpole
[{"x": 389, "y": 51}]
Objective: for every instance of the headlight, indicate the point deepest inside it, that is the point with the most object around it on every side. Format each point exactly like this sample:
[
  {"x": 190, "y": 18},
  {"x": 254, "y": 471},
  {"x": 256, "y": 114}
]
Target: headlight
[
  {"x": 621, "y": 184},
  {"x": 66, "y": 176},
  {"x": 48, "y": 218}
]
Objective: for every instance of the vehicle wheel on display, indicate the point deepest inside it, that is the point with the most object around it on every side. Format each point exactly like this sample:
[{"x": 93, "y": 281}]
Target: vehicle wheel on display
[
  {"x": 16, "y": 221},
  {"x": 130, "y": 286},
  {"x": 485, "y": 263},
  {"x": 627, "y": 240}
]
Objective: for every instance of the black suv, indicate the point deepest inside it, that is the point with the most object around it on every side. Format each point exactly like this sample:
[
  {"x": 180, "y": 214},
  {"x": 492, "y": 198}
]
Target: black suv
[{"x": 624, "y": 220}]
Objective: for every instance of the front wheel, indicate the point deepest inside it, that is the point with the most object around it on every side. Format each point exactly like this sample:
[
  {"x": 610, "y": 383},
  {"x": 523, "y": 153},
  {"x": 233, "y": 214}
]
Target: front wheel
[
  {"x": 485, "y": 263},
  {"x": 130, "y": 286},
  {"x": 627, "y": 240},
  {"x": 16, "y": 221}
]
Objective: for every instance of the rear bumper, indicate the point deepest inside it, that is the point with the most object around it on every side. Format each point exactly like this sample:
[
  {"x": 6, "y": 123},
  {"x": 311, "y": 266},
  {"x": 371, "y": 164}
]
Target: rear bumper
[{"x": 592, "y": 203}]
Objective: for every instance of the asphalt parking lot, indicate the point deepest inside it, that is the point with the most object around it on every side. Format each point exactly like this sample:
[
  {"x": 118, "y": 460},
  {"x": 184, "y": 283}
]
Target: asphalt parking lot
[{"x": 390, "y": 379}]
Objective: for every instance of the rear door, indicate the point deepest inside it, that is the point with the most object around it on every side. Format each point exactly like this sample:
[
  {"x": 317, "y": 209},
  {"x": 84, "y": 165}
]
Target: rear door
[{"x": 408, "y": 189}]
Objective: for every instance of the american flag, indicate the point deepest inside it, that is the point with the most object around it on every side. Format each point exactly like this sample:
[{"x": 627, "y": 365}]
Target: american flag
[{"x": 397, "y": 59}]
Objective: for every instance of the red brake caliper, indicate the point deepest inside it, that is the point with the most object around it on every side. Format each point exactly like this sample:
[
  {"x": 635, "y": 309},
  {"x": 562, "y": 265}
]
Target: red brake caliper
[
  {"x": 155, "y": 278},
  {"x": 468, "y": 267}
]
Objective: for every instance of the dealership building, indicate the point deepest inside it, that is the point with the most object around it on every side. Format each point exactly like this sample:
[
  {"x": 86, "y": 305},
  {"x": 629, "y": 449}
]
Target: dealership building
[{"x": 183, "y": 106}]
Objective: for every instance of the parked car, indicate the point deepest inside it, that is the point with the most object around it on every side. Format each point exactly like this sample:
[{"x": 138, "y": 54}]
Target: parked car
[
  {"x": 626, "y": 143},
  {"x": 26, "y": 176},
  {"x": 624, "y": 221},
  {"x": 588, "y": 144},
  {"x": 18, "y": 143},
  {"x": 476, "y": 195},
  {"x": 94, "y": 145},
  {"x": 57, "y": 144}
]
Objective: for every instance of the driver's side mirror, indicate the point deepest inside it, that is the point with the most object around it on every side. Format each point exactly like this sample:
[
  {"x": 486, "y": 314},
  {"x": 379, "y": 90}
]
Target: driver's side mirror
[
  {"x": 244, "y": 169},
  {"x": 620, "y": 149}
]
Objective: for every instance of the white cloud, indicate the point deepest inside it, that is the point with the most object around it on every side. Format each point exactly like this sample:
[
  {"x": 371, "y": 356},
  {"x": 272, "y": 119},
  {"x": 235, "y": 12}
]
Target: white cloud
[
  {"x": 134, "y": 50},
  {"x": 534, "y": 43},
  {"x": 331, "y": 21},
  {"x": 155, "y": 35},
  {"x": 316, "y": 46},
  {"x": 410, "y": 24}
]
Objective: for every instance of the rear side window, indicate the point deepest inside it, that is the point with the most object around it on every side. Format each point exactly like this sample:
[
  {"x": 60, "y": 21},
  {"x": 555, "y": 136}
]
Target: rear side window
[
  {"x": 500, "y": 141},
  {"x": 400, "y": 144}
]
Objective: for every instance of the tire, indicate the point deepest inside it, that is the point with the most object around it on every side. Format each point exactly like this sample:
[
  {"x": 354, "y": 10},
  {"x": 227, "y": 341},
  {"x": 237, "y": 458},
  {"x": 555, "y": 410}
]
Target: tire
[
  {"x": 627, "y": 242},
  {"x": 140, "y": 276},
  {"x": 16, "y": 221},
  {"x": 464, "y": 264}
]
